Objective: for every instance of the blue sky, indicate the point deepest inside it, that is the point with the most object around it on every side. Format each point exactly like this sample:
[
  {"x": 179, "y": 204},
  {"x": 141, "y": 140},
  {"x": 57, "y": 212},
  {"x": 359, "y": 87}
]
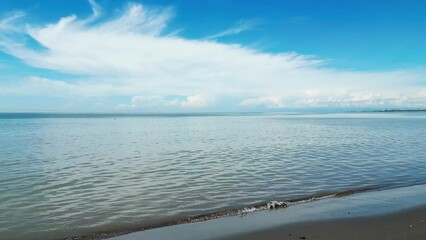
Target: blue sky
[{"x": 221, "y": 55}]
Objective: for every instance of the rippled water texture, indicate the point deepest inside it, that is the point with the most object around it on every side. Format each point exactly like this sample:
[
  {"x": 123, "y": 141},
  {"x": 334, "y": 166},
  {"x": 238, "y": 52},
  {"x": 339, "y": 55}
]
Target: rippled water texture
[{"x": 72, "y": 175}]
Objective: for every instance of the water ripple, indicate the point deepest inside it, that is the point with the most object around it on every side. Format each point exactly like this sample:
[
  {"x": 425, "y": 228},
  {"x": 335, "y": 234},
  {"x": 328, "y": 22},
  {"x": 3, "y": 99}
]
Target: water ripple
[{"x": 72, "y": 176}]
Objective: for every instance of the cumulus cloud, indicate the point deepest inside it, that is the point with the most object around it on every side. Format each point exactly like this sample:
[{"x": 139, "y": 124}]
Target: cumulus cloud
[
  {"x": 269, "y": 101},
  {"x": 147, "y": 102},
  {"x": 134, "y": 55},
  {"x": 158, "y": 102},
  {"x": 195, "y": 101}
]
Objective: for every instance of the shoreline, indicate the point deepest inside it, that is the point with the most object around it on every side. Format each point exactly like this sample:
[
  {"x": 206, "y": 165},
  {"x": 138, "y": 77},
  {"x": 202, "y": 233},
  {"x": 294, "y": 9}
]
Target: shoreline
[
  {"x": 406, "y": 224},
  {"x": 381, "y": 205},
  {"x": 231, "y": 212}
]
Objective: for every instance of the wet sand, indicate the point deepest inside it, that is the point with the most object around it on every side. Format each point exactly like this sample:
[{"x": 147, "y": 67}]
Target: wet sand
[
  {"x": 408, "y": 224},
  {"x": 387, "y": 214}
]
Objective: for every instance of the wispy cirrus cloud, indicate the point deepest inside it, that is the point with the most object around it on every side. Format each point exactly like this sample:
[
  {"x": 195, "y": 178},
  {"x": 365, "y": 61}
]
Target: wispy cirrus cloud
[
  {"x": 95, "y": 8},
  {"x": 240, "y": 26},
  {"x": 135, "y": 55},
  {"x": 6, "y": 24}
]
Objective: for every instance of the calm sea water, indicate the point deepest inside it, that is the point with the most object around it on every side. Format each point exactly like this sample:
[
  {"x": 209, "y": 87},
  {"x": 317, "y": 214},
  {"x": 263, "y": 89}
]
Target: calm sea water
[{"x": 63, "y": 175}]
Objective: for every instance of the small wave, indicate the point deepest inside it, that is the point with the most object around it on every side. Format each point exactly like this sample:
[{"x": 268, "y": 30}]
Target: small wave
[{"x": 283, "y": 204}]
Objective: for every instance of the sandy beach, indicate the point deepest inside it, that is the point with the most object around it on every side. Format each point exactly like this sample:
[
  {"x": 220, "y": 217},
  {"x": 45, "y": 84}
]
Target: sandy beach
[
  {"x": 409, "y": 224},
  {"x": 388, "y": 214}
]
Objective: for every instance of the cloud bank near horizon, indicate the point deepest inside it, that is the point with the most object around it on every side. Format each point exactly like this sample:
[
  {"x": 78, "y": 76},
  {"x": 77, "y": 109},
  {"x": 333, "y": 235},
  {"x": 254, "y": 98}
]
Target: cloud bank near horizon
[{"x": 136, "y": 55}]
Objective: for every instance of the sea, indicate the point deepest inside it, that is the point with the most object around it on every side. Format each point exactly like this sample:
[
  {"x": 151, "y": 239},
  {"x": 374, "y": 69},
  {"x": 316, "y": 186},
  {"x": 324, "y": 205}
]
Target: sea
[{"x": 64, "y": 175}]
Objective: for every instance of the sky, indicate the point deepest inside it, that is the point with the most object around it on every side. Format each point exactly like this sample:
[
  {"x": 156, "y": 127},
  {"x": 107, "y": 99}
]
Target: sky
[{"x": 211, "y": 55}]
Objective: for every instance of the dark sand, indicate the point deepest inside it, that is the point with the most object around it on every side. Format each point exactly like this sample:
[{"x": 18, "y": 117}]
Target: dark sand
[{"x": 409, "y": 224}]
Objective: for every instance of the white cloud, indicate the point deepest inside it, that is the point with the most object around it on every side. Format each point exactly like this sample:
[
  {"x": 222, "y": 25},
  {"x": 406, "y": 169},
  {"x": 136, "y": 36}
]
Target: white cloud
[
  {"x": 133, "y": 55},
  {"x": 6, "y": 24},
  {"x": 195, "y": 101},
  {"x": 269, "y": 101},
  {"x": 240, "y": 26},
  {"x": 158, "y": 102},
  {"x": 50, "y": 87},
  {"x": 141, "y": 102},
  {"x": 95, "y": 8},
  {"x": 316, "y": 98}
]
